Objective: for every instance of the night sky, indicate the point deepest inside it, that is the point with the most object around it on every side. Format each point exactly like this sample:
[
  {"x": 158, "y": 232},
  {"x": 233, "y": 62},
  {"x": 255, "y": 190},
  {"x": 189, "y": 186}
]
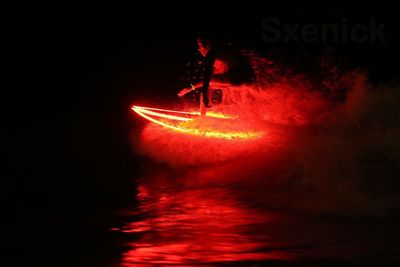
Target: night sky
[{"x": 58, "y": 54}]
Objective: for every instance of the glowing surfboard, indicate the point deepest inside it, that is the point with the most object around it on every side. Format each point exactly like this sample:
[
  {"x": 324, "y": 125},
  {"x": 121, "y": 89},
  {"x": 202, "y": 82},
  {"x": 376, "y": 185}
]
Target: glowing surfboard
[{"x": 217, "y": 125}]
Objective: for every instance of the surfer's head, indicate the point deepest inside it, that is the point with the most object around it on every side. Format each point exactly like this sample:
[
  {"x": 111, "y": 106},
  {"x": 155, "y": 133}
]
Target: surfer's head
[{"x": 203, "y": 45}]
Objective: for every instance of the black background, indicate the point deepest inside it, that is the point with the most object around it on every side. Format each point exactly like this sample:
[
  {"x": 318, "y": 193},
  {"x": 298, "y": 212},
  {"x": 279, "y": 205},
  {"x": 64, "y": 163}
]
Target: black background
[{"x": 71, "y": 70}]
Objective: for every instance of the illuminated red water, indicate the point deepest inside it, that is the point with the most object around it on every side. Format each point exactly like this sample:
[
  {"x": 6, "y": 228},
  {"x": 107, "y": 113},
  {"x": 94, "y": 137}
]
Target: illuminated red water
[
  {"x": 192, "y": 219},
  {"x": 275, "y": 198},
  {"x": 200, "y": 225}
]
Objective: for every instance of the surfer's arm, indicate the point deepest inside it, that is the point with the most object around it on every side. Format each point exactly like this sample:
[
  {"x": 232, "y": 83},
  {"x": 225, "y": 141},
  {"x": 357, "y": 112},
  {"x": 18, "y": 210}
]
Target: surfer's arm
[
  {"x": 199, "y": 87},
  {"x": 213, "y": 84},
  {"x": 192, "y": 87},
  {"x": 206, "y": 82},
  {"x": 186, "y": 90}
]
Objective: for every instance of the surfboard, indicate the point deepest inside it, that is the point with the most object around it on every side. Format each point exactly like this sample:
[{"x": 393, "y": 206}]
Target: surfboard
[{"x": 213, "y": 124}]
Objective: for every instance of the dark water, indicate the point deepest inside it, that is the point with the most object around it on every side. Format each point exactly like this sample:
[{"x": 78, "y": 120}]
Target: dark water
[
  {"x": 184, "y": 221},
  {"x": 81, "y": 196},
  {"x": 155, "y": 215}
]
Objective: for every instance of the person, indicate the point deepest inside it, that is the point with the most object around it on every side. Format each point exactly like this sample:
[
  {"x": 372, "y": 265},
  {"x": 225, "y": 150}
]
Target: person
[{"x": 221, "y": 69}]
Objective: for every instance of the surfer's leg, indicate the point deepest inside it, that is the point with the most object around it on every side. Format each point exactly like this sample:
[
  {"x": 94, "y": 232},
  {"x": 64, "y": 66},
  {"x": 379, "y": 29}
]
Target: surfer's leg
[{"x": 203, "y": 109}]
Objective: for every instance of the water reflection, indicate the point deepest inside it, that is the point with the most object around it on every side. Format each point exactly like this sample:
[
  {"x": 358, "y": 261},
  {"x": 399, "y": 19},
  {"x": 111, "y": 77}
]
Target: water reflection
[
  {"x": 186, "y": 221},
  {"x": 195, "y": 217}
]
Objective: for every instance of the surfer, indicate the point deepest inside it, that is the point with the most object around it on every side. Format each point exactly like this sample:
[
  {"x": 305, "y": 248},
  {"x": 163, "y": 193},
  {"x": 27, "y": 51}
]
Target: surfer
[{"x": 221, "y": 68}]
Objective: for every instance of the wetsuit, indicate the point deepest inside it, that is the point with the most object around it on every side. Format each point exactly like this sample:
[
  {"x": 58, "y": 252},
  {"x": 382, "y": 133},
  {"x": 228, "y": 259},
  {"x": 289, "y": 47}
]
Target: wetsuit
[{"x": 234, "y": 69}]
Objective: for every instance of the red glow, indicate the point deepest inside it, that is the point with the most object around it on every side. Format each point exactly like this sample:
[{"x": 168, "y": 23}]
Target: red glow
[
  {"x": 198, "y": 226},
  {"x": 220, "y": 67},
  {"x": 250, "y": 119},
  {"x": 203, "y": 217}
]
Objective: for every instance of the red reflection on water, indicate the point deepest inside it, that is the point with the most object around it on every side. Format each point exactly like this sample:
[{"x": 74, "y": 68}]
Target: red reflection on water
[{"x": 193, "y": 223}]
